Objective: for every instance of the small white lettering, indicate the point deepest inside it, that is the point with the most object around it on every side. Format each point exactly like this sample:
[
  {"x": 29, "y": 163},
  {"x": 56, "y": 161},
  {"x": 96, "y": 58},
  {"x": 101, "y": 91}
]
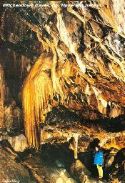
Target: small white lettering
[
  {"x": 64, "y": 5},
  {"x": 10, "y": 181}
]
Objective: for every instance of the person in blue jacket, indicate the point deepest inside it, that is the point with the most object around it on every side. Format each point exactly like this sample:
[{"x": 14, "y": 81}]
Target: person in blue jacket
[{"x": 98, "y": 161}]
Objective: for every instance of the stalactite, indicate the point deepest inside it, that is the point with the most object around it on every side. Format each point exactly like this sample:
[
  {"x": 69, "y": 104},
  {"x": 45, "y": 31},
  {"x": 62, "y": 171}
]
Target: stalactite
[
  {"x": 76, "y": 138},
  {"x": 115, "y": 110},
  {"x": 88, "y": 93},
  {"x": 102, "y": 103},
  {"x": 37, "y": 92},
  {"x": 41, "y": 85},
  {"x": 55, "y": 79},
  {"x": 73, "y": 139}
]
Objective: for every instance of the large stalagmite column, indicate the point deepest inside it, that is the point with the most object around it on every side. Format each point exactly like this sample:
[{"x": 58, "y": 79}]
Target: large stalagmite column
[{"x": 2, "y": 92}]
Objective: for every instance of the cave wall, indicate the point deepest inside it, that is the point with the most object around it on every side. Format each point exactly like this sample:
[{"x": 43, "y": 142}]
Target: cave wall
[
  {"x": 16, "y": 59},
  {"x": 2, "y": 97}
]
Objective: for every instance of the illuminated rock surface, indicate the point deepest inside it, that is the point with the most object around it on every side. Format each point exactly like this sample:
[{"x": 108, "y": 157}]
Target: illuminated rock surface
[{"x": 64, "y": 57}]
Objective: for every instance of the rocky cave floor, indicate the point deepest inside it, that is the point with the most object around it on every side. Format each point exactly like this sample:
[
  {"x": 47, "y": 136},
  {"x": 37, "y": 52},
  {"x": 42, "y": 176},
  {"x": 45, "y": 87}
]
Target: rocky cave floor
[{"x": 55, "y": 163}]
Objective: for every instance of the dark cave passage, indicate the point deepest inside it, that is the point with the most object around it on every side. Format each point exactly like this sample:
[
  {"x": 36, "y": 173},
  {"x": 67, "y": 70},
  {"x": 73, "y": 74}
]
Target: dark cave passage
[
  {"x": 63, "y": 115},
  {"x": 110, "y": 125}
]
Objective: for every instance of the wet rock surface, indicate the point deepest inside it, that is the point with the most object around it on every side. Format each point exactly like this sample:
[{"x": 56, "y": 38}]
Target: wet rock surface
[
  {"x": 10, "y": 171},
  {"x": 13, "y": 117},
  {"x": 18, "y": 143},
  {"x": 72, "y": 60}
]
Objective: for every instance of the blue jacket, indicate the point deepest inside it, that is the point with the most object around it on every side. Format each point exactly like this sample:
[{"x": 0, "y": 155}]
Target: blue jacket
[{"x": 98, "y": 158}]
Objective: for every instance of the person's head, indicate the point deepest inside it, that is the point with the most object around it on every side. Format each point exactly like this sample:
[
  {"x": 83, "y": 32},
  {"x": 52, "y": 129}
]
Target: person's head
[{"x": 96, "y": 148}]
